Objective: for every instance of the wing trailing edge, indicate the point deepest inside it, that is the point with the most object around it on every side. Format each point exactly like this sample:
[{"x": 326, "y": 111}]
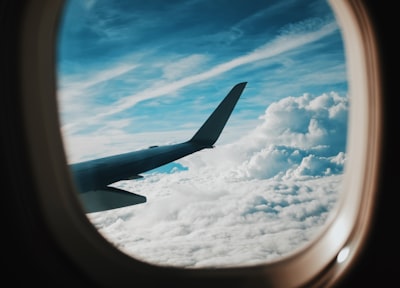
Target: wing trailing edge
[{"x": 109, "y": 198}]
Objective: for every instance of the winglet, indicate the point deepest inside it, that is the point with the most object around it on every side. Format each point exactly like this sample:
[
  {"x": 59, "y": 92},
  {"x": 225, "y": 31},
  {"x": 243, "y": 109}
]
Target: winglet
[{"x": 209, "y": 132}]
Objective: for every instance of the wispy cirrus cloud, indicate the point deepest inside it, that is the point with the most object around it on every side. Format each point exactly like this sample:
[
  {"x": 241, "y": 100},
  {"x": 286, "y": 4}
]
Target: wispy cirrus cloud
[
  {"x": 75, "y": 93},
  {"x": 283, "y": 43},
  {"x": 280, "y": 45}
]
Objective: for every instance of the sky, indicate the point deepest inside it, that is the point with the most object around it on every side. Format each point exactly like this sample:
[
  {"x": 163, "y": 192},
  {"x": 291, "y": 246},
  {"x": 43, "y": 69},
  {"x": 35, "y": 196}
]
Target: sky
[{"x": 132, "y": 74}]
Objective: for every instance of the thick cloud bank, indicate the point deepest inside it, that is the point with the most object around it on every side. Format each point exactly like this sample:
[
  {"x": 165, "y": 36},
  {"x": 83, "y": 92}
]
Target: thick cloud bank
[{"x": 244, "y": 203}]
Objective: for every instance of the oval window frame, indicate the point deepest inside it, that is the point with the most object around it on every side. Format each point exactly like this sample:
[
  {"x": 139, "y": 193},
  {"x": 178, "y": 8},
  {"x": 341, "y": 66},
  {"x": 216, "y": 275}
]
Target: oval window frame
[{"x": 316, "y": 263}]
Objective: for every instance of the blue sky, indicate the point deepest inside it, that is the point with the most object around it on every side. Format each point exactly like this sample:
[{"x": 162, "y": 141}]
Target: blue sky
[
  {"x": 164, "y": 66},
  {"x": 135, "y": 74}
]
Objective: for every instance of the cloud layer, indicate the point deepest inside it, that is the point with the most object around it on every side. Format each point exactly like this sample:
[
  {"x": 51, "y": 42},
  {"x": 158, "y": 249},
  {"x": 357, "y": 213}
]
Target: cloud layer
[{"x": 248, "y": 202}]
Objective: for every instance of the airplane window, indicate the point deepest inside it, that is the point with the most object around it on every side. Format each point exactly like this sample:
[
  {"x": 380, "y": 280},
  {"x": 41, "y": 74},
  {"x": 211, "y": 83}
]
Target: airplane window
[{"x": 204, "y": 133}]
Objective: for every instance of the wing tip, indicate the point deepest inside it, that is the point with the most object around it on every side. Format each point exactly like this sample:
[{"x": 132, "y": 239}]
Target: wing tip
[{"x": 210, "y": 131}]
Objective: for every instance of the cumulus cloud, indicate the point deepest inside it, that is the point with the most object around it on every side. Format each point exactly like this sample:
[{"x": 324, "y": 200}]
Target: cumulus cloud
[
  {"x": 247, "y": 202},
  {"x": 297, "y": 136}
]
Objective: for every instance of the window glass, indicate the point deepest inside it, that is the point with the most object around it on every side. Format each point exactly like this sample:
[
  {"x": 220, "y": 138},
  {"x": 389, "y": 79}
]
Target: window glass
[{"x": 138, "y": 74}]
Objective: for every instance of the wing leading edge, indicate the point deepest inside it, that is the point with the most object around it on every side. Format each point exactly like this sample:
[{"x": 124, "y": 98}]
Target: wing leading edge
[{"x": 93, "y": 177}]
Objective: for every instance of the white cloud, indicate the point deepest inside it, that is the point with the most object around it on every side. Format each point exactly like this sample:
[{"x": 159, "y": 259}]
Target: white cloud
[
  {"x": 75, "y": 94},
  {"x": 244, "y": 203},
  {"x": 291, "y": 129},
  {"x": 183, "y": 67}
]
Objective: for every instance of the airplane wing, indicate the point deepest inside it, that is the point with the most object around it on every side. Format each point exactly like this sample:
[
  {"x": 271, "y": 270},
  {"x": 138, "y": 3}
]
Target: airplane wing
[{"x": 93, "y": 177}]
